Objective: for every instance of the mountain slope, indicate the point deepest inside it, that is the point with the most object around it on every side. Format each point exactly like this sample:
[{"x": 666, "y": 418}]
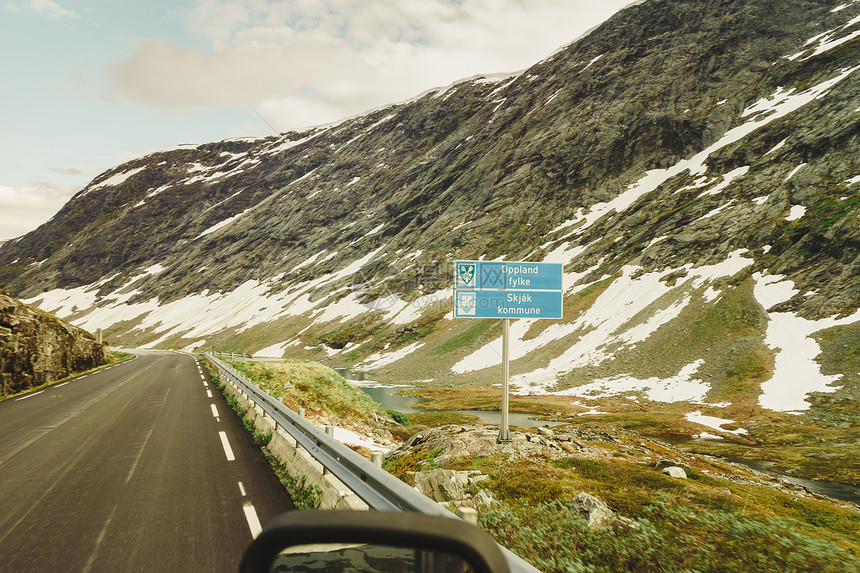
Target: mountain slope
[{"x": 693, "y": 165}]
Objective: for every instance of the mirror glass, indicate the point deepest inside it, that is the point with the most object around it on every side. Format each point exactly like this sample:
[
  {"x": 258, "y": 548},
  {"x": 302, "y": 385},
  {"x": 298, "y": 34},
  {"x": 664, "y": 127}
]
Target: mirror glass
[{"x": 363, "y": 558}]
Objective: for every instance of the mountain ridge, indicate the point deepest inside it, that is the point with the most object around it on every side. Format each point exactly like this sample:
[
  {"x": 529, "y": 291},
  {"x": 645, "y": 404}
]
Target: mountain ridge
[{"x": 692, "y": 166}]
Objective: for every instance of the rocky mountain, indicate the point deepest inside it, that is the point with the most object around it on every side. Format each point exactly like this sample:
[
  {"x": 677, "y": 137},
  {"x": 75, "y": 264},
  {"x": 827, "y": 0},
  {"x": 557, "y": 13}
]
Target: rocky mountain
[
  {"x": 36, "y": 348},
  {"x": 693, "y": 165}
]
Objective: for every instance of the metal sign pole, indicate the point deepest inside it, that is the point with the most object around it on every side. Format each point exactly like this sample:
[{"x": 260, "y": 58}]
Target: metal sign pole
[
  {"x": 508, "y": 289},
  {"x": 504, "y": 433}
]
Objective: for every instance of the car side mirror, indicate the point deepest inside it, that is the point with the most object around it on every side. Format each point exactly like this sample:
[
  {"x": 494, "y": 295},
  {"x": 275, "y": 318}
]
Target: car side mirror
[{"x": 371, "y": 541}]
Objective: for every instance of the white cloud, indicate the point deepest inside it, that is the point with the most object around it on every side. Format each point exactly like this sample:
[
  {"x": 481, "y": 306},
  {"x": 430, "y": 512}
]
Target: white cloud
[
  {"x": 22, "y": 209},
  {"x": 303, "y": 62},
  {"x": 45, "y": 8}
]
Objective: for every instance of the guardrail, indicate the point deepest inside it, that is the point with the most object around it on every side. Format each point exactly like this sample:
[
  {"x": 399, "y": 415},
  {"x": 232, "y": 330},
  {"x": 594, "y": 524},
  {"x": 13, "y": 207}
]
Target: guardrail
[{"x": 377, "y": 488}]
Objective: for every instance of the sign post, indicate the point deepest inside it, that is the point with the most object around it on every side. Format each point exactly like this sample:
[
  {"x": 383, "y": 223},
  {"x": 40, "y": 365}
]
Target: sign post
[
  {"x": 504, "y": 433},
  {"x": 493, "y": 289}
]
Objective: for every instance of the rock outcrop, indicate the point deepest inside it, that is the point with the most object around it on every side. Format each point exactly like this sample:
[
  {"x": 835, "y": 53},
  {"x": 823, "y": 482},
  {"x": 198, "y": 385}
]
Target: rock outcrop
[
  {"x": 37, "y": 348},
  {"x": 573, "y": 444}
]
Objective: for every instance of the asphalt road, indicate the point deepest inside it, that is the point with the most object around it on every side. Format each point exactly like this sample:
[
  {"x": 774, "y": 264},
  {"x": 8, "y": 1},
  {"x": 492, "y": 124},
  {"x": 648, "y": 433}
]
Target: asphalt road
[{"x": 140, "y": 467}]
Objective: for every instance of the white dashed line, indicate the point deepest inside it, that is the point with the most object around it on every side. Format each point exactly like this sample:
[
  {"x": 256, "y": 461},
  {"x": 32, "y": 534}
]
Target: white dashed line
[
  {"x": 29, "y": 396},
  {"x": 242, "y": 489},
  {"x": 228, "y": 451},
  {"x": 253, "y": 520},
  {"x": 214, "y": 411},
  {"x": 63, "y": 384},
  {"x": 208, "y": 393}
]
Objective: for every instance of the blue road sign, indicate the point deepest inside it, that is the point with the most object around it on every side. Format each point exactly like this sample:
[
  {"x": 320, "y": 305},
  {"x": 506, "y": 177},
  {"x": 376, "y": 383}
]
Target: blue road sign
[{"x": 492, "y": 289}]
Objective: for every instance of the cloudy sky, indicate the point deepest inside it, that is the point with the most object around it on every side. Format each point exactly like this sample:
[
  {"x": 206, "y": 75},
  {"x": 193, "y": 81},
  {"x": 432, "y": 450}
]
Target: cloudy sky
[{"x": 88, "y": 84}]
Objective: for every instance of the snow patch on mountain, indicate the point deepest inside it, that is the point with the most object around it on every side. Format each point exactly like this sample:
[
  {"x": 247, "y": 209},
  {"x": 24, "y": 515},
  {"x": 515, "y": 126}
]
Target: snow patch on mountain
[
  {"x": 713, "y": 422},
  {"x": 795, "y": 213},
  {"x": 380, "y": 359},
  {"x": 679, "y": 388},
  {"x": 114, "y": 180},
  {"x": 630, "y": 310},
  {"x": 221, "y": 224}
]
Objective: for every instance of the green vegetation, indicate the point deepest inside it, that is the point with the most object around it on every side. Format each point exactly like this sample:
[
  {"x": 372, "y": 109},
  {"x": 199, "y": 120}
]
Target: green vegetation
[
  {"x": 385, "y": 337},
  {"x": 261, "y": 438},
  {"x": 398, "y": 417},
  {"x": 322, "y": 392},
  {"x": 415, "y": 330},
  {"x": 465, "y": 339},
  {"x": 669, "y": 537},
  {"x": 304, "y": 496},
  {"x": 698, "y": 524},
  {"x": 747, "y": 374},
  {"x": 404, "y": 467},
  {"x": 353, "y": 331},
  {"x": 798, "y": 447},
  {"x": 310, "y": 385},
  {"x": 434, "y": 419}
]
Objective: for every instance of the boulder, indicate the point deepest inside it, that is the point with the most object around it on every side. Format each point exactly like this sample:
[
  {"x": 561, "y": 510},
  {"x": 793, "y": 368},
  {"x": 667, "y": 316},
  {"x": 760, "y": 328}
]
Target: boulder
[
  {"x": 675, "y": 472},
  {"x": 593, "y": 509},
  {"x": 446, "y": 485},
  {"x": 483, "y": 498},
  {"x": 663, "y": 463}
]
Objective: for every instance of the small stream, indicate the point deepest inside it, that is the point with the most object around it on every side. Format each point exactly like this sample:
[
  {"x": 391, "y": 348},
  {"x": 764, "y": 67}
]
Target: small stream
[
  {"x": 388, "y": 397},
  {"x": 836, "y": 490},
  {"x": 832, "y": 489}
]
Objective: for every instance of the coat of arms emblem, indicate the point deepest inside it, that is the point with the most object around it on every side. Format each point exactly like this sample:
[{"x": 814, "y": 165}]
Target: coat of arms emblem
[
  {"x": 467, "y": 273},
  {"x": 467, "y": 303}
]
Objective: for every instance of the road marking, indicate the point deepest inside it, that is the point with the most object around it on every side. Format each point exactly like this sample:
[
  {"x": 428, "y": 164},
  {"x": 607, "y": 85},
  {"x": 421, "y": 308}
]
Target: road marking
[
  {"x": 29, "y": 395},
  {"x": 205, "y": 385},
  {"x": 208, "y": 393},
  {"x": 253, "y": 520},
  {"x": 227, "y": 449},
  {"x": 84, "y": 376},
  {"x": 242, "y": 489},
  {"x": 101, "y": 537},
  {"x": 63, "y": 384},
  {"x": 214, "y": 411},
  {"x": 140, "y": 452}
]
